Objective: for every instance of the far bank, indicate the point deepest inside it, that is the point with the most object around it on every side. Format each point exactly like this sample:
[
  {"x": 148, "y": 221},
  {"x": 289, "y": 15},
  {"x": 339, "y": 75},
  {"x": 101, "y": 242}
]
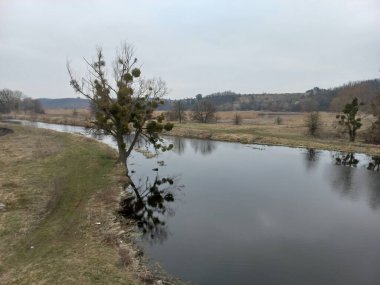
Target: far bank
[{"x": 267, "y": 128}]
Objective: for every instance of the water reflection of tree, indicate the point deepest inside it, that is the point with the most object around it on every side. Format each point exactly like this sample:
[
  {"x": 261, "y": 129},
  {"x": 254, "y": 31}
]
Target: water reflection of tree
[
  {"x": 346, "y": 159},
  {"x": 374, "y": 164},
  {"x": 342, "y": 181},
  {"x": 352, "y": 183},
  {"x": 150, "y": 206},
  {"x": 374, "y": 182},
  {"x": 374, "y": 192},
  {"x": 311, "y": 158},
  {"x": 204, "y": 146},
  {"x": 179, "y": 145}
]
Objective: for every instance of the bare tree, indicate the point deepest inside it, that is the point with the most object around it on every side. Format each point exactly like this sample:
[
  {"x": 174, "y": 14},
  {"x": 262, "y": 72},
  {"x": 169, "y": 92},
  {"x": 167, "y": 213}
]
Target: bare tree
[
  {"x": 203, "y": 112},
  {"x": 14, "y": 101},
  {"x": 9, "y": 100},
  {"x": 31, "y": 105},
  {"x": 123, "y": 104},
  {"x": 177, "y": 112}
]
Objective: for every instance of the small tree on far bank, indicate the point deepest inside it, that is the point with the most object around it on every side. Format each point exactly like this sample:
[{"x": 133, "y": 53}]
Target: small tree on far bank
[
  {"x": 177, "y": 113},
  {"x": 10, "y": 100},
  {"x": 15, "y": 101},
  {"x": 237, "y": 119},
  {"x": 278, "y": 120},
  {"x": 31, "y": 105},
  {"x": 203, "y": 112},
  {"x": 349, "y": 118},
  {"x": 313, "y": 123},
  {"x": 124, "y": 104}
]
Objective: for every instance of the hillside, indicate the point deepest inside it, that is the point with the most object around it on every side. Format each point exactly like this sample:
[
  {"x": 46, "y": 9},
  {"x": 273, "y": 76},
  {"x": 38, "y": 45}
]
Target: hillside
[
  {"x": 64, "y": 103},
  {"x": 332, "y": 99}
]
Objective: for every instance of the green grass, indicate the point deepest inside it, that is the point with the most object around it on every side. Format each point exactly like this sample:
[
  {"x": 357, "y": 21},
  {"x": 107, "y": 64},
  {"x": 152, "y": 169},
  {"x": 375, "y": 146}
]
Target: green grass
[{"x": 48, "y": 235}]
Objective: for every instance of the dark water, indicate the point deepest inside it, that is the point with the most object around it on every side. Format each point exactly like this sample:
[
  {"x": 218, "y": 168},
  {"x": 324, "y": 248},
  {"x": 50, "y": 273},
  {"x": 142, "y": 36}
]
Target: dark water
[{"x": 225, "y": 213}]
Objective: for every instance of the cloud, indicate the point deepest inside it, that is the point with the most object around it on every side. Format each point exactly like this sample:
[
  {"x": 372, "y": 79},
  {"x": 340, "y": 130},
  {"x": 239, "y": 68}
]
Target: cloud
[{"x": 196, "y": 46}]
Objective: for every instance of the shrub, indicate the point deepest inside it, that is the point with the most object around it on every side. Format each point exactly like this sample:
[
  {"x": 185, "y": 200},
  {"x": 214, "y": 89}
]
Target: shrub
[
  {"x": 278, "y": 120},
  {"x": 313, "y": 123},
  {"x": 237, "y": 119}
]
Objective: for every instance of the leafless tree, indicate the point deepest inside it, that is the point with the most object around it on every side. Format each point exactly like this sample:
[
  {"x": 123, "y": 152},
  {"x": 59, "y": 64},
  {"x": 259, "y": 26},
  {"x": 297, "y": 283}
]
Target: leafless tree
[
  {"x": 179, "y": 110},
  {"x": 177, "y": 113},
  {"x": 123, "y": 104},
  {"x": 203, "y": 112},
  {"x": 9, "y": 100}
]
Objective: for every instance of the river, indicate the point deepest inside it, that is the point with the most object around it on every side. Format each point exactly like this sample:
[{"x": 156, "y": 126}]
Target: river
[{"x": 228, "y": 213}]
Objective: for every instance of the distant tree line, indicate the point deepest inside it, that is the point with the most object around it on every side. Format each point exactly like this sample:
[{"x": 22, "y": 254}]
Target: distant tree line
[
  {"x": 312, "y": 100},
  {"x": 16, "y": 101}
]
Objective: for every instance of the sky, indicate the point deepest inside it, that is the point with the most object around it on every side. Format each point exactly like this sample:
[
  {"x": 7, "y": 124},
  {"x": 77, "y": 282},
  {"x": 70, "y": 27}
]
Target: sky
[{"x": 197, "y": 46}]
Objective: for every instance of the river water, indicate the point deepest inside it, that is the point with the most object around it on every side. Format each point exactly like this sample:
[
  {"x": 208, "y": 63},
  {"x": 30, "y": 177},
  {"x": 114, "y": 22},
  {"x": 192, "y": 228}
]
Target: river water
[{"x": 227, "y": 213}]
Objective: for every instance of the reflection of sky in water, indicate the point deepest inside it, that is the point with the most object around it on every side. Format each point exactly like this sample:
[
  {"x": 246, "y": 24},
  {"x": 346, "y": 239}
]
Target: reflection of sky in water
[{"x": 251, "y": 214}]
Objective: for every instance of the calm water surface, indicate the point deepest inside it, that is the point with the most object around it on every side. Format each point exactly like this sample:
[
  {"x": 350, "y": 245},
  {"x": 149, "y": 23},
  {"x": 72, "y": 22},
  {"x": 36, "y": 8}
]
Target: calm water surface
[{"x": 226, "y": 213}]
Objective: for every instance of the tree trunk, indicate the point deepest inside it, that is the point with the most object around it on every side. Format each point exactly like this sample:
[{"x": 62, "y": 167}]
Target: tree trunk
[
  {"x": 352, "y": 135},
  {"x": 122, "y": 154}
]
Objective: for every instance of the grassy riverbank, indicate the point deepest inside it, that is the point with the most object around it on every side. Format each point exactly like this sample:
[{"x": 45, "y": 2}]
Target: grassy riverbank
[
  {"x": 284, "y": 135},
  {"x": 60, "y": 192},
  {"x": 256, "y": 127}
]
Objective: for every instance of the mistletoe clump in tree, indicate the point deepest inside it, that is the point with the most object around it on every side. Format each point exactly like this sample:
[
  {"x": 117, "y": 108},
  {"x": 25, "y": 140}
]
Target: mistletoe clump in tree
[
  {"x": 349, "y": 118},
  {"x": 124, "y": 105}
]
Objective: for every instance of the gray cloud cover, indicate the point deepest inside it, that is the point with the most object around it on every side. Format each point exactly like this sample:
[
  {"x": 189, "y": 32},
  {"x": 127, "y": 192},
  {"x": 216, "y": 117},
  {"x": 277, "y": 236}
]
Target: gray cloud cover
[{"x": 196, "y": 46}]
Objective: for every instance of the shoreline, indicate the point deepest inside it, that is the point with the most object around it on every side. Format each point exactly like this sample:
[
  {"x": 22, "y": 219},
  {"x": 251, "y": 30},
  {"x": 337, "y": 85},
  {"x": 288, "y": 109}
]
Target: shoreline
[
  {"x": 125, "y": 231},
  {"x": 368, "y": 149},
  {"x": 244, "y": 134},
  {"x": 80, "y": 206}
]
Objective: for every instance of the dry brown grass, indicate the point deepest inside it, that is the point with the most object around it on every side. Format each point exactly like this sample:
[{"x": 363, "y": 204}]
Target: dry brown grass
[
  {"x": 261, "y": 128},
  {"x": 56, "y": 220},
  {"x": 256, "y": 127},
  {"x": 56, "y": 116},
  {"x": 126, "y": 256},
  {"x": 146, "y": 277},
  {"x": 61, "y": 193},
  {"x": 68, "y": 112}
]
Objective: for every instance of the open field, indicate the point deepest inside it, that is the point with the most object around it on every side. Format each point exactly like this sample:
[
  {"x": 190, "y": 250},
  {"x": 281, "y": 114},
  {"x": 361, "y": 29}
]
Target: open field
[
  {"x": 57, "y": 223},
  {"x": 77, "y": 117},
  {"x": 256, "y": 127},
  {"x": 261, "y": 128}
]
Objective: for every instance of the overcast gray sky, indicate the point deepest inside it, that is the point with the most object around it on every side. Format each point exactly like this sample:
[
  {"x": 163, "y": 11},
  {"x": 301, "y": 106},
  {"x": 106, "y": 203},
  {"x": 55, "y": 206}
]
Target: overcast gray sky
[{"x": 197, "y": 46}]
